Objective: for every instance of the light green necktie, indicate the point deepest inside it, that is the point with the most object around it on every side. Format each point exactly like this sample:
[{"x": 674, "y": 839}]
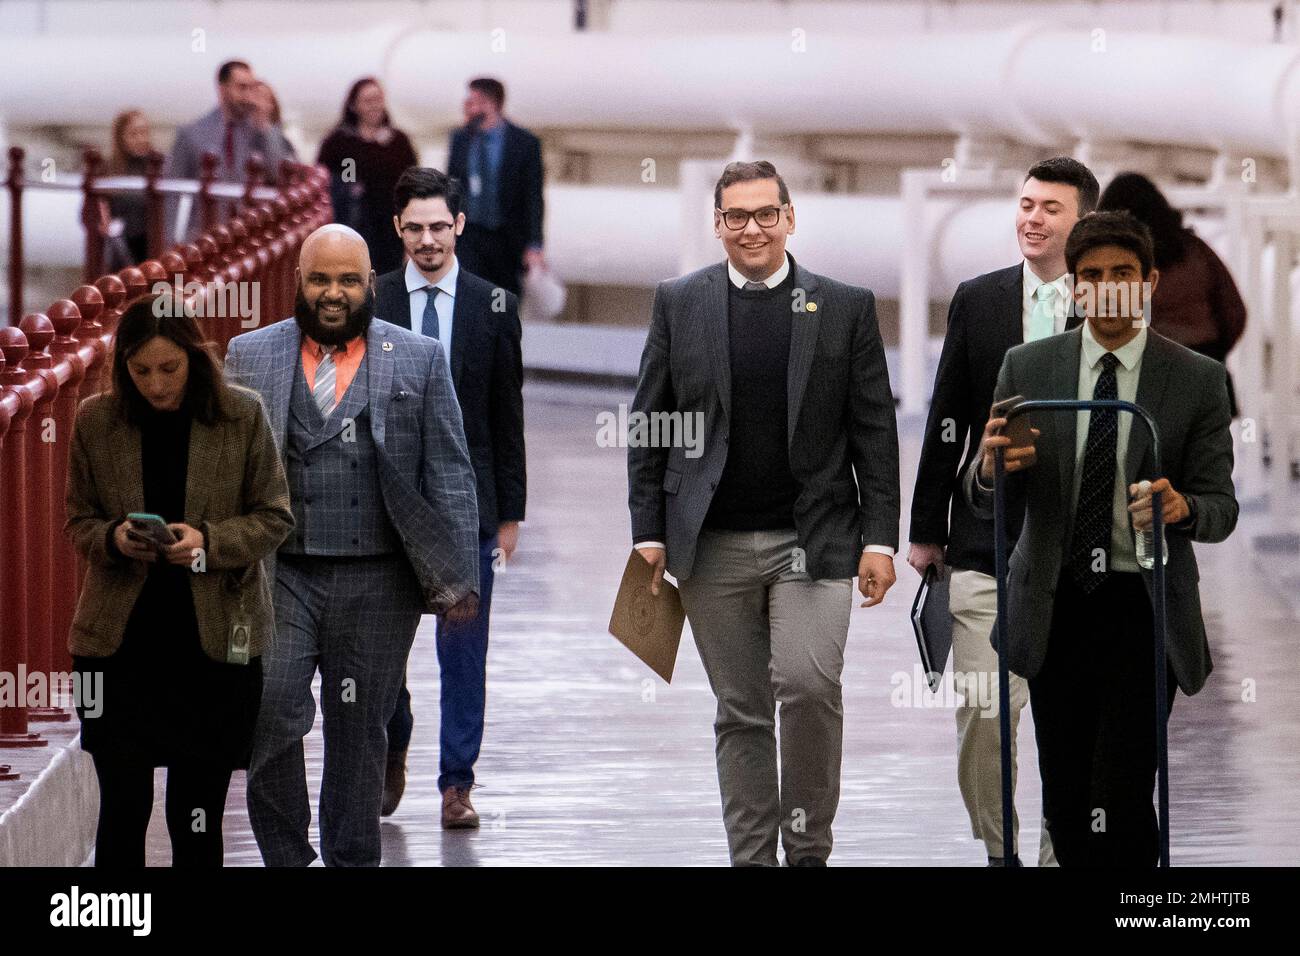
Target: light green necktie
[{"x": 1042, "y": 320}]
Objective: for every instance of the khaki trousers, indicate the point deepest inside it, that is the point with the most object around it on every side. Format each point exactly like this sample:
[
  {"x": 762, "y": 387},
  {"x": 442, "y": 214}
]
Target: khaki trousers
[{"x": 973, "y": 603}]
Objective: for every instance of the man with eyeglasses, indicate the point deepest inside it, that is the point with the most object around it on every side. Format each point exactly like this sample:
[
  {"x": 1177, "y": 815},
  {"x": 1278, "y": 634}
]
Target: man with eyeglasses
[
  {"x": 795, "y": 494},
  {"x": 478, "y": 326}
]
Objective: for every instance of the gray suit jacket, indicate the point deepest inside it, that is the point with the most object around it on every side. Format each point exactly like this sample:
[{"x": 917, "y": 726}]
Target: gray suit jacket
[
  {"x": 842, "y": 434},
  {"x": 1187, "y": 396},
  {"x": 425, "y": 473}
]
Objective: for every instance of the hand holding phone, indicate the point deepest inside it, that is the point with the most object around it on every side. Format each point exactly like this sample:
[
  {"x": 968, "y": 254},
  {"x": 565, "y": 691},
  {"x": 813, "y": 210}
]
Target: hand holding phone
[
  {"x": 150, "y": 530},
  {"x": 1015, "y": 436}
]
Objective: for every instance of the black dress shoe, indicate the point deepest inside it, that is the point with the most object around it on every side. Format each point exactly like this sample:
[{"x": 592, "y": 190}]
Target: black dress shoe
[
  {"x": 394, "y": 782},
  {"x": 1002, "y": 861},
  {"x": 808, "y": 861}
]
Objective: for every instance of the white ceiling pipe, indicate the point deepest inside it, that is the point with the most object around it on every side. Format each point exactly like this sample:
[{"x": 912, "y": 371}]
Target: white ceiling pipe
[
  {"x": 632, "y": 237},
  {"x": 1031, "y": 83}
]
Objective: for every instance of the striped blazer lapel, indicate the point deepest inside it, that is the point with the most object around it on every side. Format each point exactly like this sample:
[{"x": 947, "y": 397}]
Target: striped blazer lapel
[
  {"x": 711, "y": 317},
  {"x": 803, "y": 343},
  {"x": 380, "y": 352}
]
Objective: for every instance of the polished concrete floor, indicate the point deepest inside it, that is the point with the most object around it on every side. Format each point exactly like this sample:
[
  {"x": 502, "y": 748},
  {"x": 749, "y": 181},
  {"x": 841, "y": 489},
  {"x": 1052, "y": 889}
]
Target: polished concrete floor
[{"x": 591, "y": 760}]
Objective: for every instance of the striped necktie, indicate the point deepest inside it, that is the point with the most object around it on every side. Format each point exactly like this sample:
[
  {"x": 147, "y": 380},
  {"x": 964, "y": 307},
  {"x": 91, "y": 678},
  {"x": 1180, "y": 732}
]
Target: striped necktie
[
  {"x": 323, "y": 388},
  {"x": 1093, "y": 513}
]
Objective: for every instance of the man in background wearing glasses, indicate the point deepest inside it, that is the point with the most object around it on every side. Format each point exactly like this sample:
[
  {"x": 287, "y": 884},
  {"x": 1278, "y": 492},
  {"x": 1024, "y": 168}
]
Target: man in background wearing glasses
[
  {"x": 478, "y": 326},
  {"x": 795, "y": 493}
]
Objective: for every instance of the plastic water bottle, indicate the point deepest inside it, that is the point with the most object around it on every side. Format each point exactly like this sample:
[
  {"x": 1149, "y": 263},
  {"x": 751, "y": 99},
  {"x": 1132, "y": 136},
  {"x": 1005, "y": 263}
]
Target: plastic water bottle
[{"x": 1146, "y": 540}]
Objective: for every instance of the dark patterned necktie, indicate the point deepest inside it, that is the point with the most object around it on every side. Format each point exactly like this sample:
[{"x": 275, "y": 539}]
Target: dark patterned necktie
[{"x": 1093, "y": 515}]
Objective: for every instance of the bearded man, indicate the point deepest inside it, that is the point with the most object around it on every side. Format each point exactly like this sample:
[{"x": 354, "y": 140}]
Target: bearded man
[{"x": 366, "y": 420}]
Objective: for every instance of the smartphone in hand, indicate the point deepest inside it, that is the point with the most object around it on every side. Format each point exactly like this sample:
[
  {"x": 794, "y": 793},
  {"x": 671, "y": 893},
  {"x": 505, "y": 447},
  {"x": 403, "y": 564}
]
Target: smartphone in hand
[
  {"x": 1018, "y": 428},
  {"x": 152, "y": 529}
]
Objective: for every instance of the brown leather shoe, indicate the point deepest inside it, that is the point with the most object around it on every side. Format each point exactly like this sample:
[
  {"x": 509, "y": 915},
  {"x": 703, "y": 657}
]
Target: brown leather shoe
[
  {"x": 457, "y": 812},
  {"x": 394, "y": 783}
]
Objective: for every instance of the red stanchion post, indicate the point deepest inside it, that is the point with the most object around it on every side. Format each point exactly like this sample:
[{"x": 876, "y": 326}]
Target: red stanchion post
[
  {"x": 155, "y": 217},
  {"x": 42, "y": 432},
  {"x": 207, "y": 202},
  {"x": 71, "y": 365},
  {"x": 15, "y": 234},
  {"x": 17, "y": 395},
  {"x": 91, "y": 219}
]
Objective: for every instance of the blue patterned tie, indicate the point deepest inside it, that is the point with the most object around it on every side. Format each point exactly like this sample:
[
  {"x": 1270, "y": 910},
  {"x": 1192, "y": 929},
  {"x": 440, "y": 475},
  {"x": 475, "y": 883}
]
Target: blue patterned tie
[
  {"x": 429, "y": 324},
  {"x": 1093, "y": 515}
]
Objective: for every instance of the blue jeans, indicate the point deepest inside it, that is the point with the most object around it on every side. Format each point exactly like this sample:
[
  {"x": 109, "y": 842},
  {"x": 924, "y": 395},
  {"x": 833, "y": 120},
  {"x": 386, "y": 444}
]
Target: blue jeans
[{"x": 462, "y": 661}]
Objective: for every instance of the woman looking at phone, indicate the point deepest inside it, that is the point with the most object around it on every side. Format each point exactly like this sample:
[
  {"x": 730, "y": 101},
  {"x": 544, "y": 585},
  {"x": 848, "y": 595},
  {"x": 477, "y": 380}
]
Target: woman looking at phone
[{"x": 175, "y": 629}]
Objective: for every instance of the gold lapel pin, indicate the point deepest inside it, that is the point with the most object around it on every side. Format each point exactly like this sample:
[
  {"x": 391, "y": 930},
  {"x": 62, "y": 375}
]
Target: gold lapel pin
[
  {"x": 388, "y": 346},
  {"x": 811, "y": 307}
]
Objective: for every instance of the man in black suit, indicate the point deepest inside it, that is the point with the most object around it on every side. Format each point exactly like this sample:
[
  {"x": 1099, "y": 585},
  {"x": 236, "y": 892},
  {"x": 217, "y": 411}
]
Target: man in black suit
[
  {"x": 988, "y": 315},
  {"x": 500, "y": 164},
  {"x": 793, "y": 492},
  {"x": 1079, "y": 586},
  {"x": 478, "y": 326}
]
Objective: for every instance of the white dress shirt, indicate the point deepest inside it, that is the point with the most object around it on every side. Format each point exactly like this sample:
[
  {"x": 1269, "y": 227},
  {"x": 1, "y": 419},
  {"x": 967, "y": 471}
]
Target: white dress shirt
[
  {"x": 1030, "y": 296},
  {"x": 772, "y": 281},
  {"x": 1127, "y": 373},
  {"x": 445, "y": 304}
]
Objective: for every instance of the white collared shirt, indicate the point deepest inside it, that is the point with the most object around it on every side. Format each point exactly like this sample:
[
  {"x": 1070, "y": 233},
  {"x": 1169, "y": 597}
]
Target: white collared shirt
[
  {"x": 445, "y": 304},
  {"x": 1030, "y": 296},
  {"x": 772, "y": 281},
  {"x": 1127, "y": 373}
]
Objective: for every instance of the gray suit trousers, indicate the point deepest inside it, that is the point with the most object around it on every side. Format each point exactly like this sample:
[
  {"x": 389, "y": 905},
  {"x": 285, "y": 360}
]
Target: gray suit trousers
[
  {"x": 768, "y": 633},
  {"x": 355, "y": 620}
]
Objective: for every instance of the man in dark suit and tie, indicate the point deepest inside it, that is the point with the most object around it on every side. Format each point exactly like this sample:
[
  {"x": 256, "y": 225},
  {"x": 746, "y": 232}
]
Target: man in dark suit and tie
[
  {"x": 478, "y": 326},
  {"x": 988, "y": 315},
  {"x": 500, "y": 166},
  {"x": 382, "y": 491},
  {"x": 793, "y": 493},
  {"x": 1080, "y": 615}
]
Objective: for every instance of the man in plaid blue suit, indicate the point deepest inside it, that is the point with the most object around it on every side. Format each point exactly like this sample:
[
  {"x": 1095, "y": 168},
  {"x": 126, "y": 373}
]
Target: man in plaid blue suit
[{"x": 366, "y": 419}]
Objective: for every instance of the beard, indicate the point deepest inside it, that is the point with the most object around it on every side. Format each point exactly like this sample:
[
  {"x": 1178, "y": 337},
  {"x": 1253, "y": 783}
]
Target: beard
[{"x": 358, "y": 322}]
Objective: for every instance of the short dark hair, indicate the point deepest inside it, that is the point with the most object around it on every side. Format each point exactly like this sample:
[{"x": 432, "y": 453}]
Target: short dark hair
[
  {"x": 423, "y": 182},
  {"x": 205, "y": 391},
  {"x": 1117, "y": 228},
  {"x": 748, "y": 172},
  {"x": 494, "y": 90},
  {"x": 1071, "y": 172},
  {"x": 230, "y": 66}
]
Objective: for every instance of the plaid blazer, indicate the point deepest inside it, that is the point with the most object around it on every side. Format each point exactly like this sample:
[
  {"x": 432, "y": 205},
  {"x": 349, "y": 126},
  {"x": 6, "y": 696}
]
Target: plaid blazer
[
  {"x": 424, "y": 467},
  {"x": 235, "y": 493}
]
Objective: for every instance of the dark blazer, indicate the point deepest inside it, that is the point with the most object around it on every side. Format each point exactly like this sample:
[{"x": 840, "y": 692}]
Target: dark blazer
[
  {"x": 520, "y": 182},
  {"x": 984, "y": 321},
  {"x": 235, "y": 493},
  {"x": 843, "y": 438},
  {"x": 487, "y": 372},
  {"x": 424, "y": 469},
  {"x": 1187, "y": 395}
]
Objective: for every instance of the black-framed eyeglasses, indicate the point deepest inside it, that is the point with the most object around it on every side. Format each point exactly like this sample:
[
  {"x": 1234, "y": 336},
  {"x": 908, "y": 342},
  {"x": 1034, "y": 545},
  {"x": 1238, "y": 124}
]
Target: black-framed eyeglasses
[
  {"x": 414, "y": 230},
  {"x": 737, "y": 219}
]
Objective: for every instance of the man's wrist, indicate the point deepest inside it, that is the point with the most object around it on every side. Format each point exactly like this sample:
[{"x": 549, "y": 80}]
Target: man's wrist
[{"x": 879, "y": 549}]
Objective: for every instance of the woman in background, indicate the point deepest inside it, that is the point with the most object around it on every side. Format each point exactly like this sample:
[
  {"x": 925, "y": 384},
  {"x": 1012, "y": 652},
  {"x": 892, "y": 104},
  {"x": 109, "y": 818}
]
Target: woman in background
[
  {"x": 365, "y": 154},
  {"x": 129, "y": 156},
  {"x": 1196, "y": 303}
]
